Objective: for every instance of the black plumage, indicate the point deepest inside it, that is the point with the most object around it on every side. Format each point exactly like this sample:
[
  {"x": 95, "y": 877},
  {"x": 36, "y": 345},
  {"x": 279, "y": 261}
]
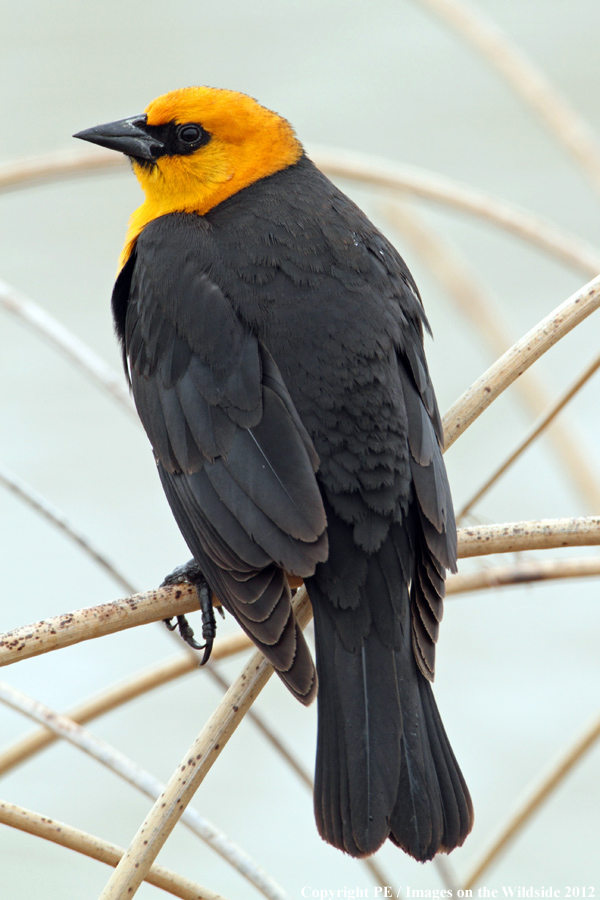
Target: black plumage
[{"x": 274, "y": 347}]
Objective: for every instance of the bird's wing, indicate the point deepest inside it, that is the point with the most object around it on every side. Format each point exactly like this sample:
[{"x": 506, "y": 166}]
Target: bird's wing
[
  {"x": 435, "y": 535},
  {"x": 236, "y": 463}
]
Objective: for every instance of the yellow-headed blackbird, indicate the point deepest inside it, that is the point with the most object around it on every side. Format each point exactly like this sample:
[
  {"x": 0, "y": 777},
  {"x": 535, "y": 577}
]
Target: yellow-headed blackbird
[{"x": 273, "y": 339}]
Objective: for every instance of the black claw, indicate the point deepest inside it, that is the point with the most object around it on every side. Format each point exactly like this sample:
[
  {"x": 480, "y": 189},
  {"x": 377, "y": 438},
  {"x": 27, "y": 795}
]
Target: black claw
[
  {"x": 191, "y": 573},
  {"x": 185, "y": 630},
  {"x": 209, "y": 624},
  {"x": 207, "y": 651}
]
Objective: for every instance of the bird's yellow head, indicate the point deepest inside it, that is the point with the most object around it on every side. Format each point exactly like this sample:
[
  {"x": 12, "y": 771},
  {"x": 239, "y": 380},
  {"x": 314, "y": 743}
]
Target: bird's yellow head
[{"x": 194, "y": 148}]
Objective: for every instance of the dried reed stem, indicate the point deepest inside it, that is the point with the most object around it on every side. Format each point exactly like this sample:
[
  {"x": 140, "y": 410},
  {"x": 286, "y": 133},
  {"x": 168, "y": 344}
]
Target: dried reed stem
[
  {"x": 573, "y": 467},
  {"x": 522, "y": 573},
  {"x": 292, "y": 761},
  {"x": 556, "y": 242},
  {"x": 475, "y": 304},
  {"x": 527, "y": 81},
  {"x": 96, "y": 848},
  {"x": 534, "y": 800},
  {"x": 57, "y": 166},
  {"x": 38, "y": 503},
  {"x": 125, "y": 768},
  {"x": 194, "y": 767},
  {"x": 517, "y": 360},
  {"x": 63, "y": 340},
  {"x": 543, "y": 534},
  {"x": 97, "y": 621}
]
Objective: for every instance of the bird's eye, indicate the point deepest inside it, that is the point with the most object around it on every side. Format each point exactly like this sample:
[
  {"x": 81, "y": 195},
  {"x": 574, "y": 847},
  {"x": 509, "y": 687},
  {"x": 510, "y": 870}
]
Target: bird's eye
[{"x": 189, "y": 133}]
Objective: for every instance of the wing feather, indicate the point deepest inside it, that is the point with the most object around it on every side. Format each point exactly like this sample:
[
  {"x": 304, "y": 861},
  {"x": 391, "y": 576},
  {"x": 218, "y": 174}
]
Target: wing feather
[{"x": 236, "y": 462}]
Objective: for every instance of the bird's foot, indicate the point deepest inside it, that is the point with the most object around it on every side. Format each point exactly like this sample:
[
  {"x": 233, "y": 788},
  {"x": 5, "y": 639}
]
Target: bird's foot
[{"x": 192, "y": 574}]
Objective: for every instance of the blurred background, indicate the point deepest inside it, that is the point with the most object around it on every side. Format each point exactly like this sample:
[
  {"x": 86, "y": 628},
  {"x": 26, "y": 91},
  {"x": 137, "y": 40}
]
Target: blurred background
[{"x": 518, "y": 672}]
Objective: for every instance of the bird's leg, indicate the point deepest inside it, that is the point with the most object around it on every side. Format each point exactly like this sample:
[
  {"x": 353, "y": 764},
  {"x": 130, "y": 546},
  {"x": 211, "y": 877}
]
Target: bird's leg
[{"x": 192, "y": 574}]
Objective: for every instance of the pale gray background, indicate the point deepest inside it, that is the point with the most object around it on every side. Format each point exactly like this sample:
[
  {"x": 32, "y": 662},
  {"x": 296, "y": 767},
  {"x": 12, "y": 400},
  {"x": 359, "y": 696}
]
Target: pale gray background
[{"x": 518, "y": 671}]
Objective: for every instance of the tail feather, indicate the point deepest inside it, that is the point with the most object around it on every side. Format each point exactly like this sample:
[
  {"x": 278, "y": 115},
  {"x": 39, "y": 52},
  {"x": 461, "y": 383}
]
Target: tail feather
[
  {"x": 385, "y": 767},
  {"x": 433, "y": 811},
  {"x": 358, "y": 745},
  {"x": 458, "y": 818},
  {"x": 416, "y": 822}
]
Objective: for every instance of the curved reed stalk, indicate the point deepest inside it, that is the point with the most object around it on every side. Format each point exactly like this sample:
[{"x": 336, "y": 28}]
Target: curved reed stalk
[
  {"x": 535, "y": 798},
  {"x": 526, "y": 79},
  {"x": 40, "y": 505},
  {"x": 514, "y": 537},
  {"x": 517, "y": 360},
  {"x": 583, "y": 479},
  {"x": 533, "y": 229},
  {"x": 63, "y": 340},
  {"x": 107, "y": 618},
  {"x": 57, "y": 166},
  {"x": 194, "y": 767},
  {"x": 97, "y": 621},
  {"x": 473, "y": 301},
  {"x": 96, "y": 848},
  {"x": 118, "y": 763},
  {"x": 558, "y": 243},
  {"x": 527, "y": 572}
]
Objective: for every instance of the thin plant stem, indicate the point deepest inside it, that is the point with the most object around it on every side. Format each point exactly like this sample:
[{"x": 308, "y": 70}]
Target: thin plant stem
[
  {"x": 118, "y": 763},
  {"x": 559, "y": 244},
  {"x": 58, "y": 166},
  {"x": 63, "y": 340},
  {"x": 268, "y": 733},
  {"x": 473, "y": 302},
  {"x": 542, "y": 534},
  {"x": 97, "y": 621},
  {"x": 535, "y": 798},
  {"x": 587, "y": 484},
  {"x": 523, "y": 572},
  {"x": 90, "y": 845},
  {"x": 517, "y": 360},
  {"x": 526, "y": 79},
  {"x": 40, "y": 505},
  {"x": 194, "y": 767}
]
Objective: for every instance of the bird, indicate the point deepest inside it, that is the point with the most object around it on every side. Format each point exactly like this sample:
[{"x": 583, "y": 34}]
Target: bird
[{"x": 273, "y": 342}]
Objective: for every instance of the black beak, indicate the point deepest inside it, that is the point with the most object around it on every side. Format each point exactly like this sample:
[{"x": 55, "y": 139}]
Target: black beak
[{"x": 127, "y": 136}]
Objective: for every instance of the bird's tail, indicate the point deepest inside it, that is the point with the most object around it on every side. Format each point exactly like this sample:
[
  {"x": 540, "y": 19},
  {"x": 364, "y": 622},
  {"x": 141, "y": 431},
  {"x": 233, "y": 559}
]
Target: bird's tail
[{"x": 385, "y": 767}]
